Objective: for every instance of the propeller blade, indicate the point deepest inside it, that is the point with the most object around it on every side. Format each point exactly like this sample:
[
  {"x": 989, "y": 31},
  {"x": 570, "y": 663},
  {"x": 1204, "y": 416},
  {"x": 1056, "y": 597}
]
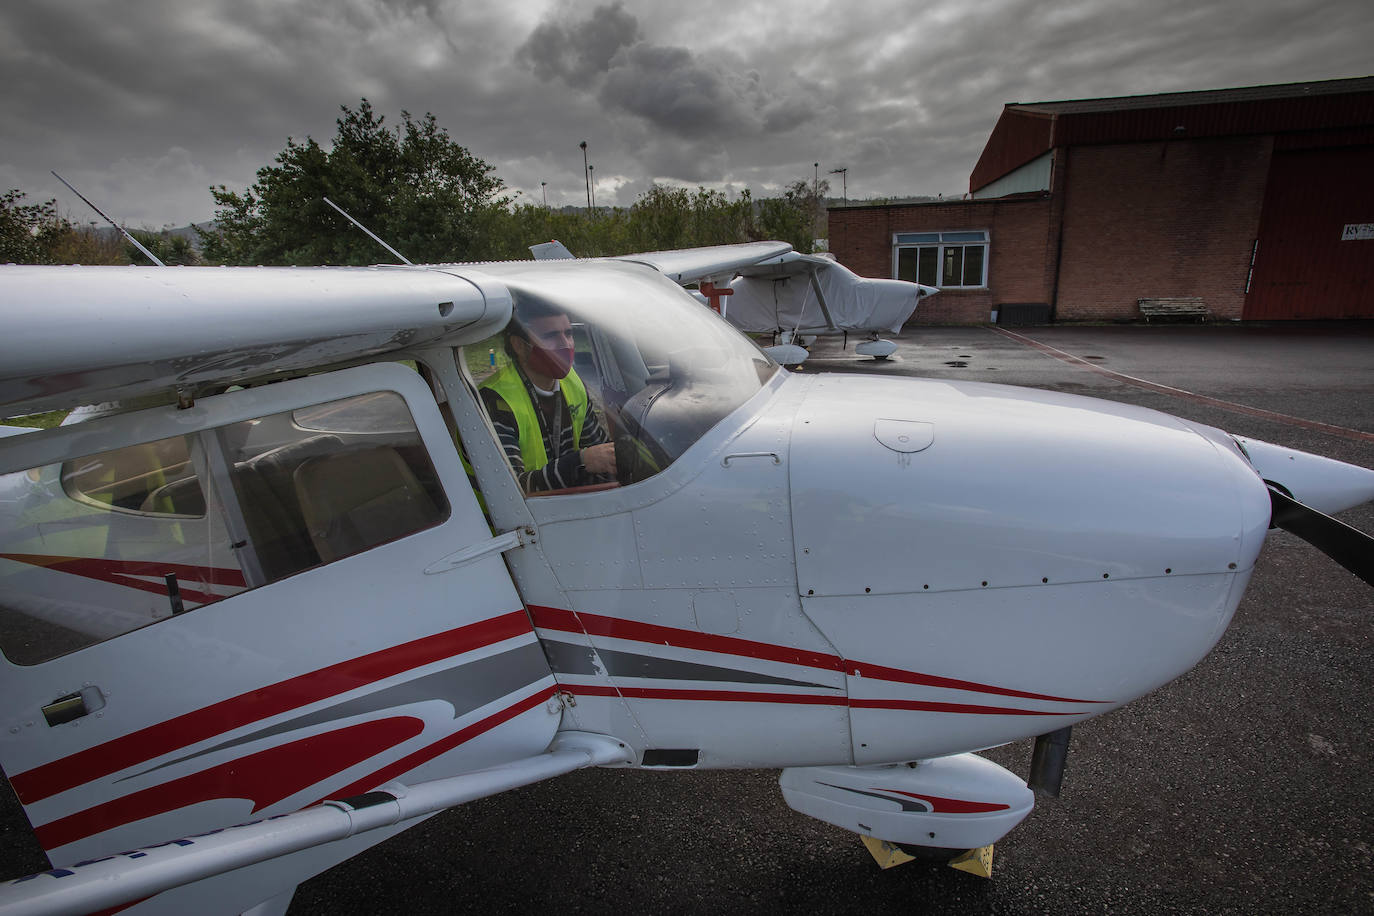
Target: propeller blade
[
  {"x": 1348, "y": 546},
  {"x": 1047, "y": 762}
]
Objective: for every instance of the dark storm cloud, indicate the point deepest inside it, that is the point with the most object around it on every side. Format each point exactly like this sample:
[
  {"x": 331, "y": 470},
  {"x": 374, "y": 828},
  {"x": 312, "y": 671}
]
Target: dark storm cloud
[
  {"x": 578, "y": 52},
  {"x": 684, "y": 94},
  {"x": 143, "y": 103},
  {"x": 670, "y": 87},
  {"x": 129, "y": 101}
]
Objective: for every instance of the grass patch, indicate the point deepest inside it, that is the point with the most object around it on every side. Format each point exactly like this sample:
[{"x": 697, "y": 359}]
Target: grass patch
[{"x": 39, "y": 420}]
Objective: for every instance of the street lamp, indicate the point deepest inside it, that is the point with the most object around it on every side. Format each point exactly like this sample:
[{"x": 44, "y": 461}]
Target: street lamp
[
  {"x": 591, "y": 188},
  {"x": 543, "y": 192},
  {"x": 586, "y": 173}
]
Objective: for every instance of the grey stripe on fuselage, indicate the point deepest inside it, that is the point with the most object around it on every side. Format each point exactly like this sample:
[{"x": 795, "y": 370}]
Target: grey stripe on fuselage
[
  {"x": 465, "y": 687},
  {"x": 567, "y": 658}
]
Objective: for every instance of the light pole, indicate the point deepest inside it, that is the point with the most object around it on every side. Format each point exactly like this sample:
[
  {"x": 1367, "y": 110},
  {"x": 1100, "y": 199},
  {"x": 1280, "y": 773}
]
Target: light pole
[
  {"x": 586, "y": 173},
  {"x": 591, "y": 188},
  {"x": 815, "y": 199},
  {"x": 844, "y": 181},
  {"x": 543, "y": 185}
]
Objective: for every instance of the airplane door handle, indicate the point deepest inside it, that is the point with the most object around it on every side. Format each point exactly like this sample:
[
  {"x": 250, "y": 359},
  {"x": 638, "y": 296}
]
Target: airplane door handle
[
  {"x": 74, "y": 705},
  {"x": 725, "y": 462}
]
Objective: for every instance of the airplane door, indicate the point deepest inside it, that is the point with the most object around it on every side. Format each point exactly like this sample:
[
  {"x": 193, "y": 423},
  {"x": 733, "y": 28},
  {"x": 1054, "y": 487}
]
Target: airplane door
[{"x": 272, "y": 597}]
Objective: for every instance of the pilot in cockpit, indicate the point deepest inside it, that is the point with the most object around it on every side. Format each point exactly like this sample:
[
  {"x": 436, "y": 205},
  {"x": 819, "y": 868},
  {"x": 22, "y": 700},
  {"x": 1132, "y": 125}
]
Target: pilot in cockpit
[{"x": 552, "y": 434}]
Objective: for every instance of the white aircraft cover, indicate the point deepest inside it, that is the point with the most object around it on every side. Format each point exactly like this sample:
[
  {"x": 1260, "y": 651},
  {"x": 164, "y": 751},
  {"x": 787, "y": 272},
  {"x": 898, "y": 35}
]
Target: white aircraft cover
[{"x": 778, "y": 295}]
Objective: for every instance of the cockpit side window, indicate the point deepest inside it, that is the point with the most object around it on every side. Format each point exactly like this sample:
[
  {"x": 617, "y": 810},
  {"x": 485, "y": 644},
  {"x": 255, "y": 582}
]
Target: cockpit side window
[
  {"x": 596, "y": 384},
  {"x": 106, "y": 543}
]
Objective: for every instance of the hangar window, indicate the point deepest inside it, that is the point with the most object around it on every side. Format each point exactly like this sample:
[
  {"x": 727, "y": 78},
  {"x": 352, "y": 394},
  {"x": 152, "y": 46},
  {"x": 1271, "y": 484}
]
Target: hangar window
[{"x": 949, "y": 260}]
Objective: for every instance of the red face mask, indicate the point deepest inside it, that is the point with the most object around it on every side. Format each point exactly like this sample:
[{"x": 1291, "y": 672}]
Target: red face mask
[{"x": 555, "y": 363}]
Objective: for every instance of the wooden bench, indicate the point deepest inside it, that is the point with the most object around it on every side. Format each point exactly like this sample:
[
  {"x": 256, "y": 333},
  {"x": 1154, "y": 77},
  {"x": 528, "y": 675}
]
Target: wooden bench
[{"x": 1182, "y": 307}]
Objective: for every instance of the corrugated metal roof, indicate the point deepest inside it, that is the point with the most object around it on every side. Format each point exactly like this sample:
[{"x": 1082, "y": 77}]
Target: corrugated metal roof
[{"x": 1202, "y": 97}]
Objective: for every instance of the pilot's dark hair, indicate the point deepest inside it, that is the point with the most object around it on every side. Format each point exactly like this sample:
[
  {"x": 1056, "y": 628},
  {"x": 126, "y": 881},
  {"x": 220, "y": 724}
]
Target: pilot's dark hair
[{"x": 527, "y": 307}]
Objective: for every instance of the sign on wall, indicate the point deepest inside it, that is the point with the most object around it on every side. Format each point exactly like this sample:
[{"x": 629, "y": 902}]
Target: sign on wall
[{"x": 1357, "y": 231}]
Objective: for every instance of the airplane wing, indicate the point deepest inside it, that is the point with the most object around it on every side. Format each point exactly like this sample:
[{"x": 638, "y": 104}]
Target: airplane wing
[
  {"x": 115, "y": 333},
  {"x": 790, "y": 264},
  {"x": 79, "y": 335},
  {"x": 688, "y": 265}
]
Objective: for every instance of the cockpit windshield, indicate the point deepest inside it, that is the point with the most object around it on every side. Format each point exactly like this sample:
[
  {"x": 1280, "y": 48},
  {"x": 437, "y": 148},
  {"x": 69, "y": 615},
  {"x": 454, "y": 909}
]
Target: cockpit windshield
[{"x": 606, "y": 374}]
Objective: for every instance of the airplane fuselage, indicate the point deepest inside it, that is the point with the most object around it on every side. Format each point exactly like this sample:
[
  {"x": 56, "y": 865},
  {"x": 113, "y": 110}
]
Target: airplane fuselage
[
  {"x": 269, "y": 578},
  {"x": 908, "y": 567}
]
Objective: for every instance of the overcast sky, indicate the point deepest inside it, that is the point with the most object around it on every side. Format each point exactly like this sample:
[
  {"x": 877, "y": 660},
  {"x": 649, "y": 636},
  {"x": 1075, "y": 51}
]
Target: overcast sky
[{"x": 143, "y": 104}]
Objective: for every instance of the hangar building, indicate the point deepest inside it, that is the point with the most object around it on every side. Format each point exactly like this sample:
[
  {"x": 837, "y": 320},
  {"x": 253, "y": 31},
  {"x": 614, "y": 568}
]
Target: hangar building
[{"x": 1258, "y": 201}]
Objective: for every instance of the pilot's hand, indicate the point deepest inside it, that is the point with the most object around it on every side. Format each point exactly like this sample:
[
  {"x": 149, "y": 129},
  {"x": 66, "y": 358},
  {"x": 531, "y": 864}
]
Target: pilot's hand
[{"x": 599, "y": 459}]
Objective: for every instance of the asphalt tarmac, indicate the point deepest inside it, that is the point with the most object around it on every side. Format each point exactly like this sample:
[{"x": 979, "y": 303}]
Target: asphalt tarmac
[{"x": 1244, "y": 786}]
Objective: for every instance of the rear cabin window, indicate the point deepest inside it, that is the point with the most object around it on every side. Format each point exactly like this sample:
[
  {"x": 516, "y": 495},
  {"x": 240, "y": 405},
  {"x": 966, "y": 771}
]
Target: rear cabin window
[{"x": 107, "y": 543}]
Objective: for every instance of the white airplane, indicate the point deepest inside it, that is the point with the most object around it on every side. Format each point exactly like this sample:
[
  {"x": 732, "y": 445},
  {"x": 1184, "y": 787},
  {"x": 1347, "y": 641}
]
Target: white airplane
[
  {"x": 256, "y": 615},
  {"x": 796, "y": 298}
]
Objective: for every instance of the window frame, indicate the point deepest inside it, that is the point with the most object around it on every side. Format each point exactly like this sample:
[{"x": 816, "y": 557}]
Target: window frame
[
  {"x": 202, "y": 425},
  {"x": 945, "y": 240}
]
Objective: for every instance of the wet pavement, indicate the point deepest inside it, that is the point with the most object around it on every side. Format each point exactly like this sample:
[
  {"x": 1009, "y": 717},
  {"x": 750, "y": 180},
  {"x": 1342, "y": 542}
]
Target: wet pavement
[{"x": 1245, "y": 786}]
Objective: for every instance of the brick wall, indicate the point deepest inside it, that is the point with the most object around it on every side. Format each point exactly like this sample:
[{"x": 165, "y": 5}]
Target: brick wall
[
  {"x": 1020, "y": 256},
  {"x": 1166, "y": 218}
]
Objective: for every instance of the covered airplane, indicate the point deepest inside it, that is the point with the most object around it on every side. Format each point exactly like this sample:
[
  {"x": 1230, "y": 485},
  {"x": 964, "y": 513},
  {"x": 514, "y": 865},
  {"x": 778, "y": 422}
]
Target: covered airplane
[
  {"x": 795, "y": 298},
  {"x": 799, "y": 296},
  {"x": 295, "y": 587}
]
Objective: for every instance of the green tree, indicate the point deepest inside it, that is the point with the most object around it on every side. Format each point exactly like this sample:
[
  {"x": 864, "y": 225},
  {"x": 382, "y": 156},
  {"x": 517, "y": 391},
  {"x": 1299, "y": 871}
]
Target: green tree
[
  {"x": 585, "y": 234},
  {"x": 168, "y": 248},
  {"x": 29, "y": 232},
  {"x": 665, "y": 218},
  {"x": 795, "y": 216},
  {"x": 36, "y": 234},
  {"x": 428, "y": 197},
  {"x": 87, "y": 245}
]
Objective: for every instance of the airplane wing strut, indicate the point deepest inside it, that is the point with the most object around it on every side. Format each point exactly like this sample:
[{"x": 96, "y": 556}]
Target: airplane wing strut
[
  {"x": 820, "y": 299},
  {"x": 108, "y": 882}
]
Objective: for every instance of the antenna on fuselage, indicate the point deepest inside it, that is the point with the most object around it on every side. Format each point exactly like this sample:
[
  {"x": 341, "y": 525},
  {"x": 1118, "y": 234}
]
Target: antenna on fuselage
[
  {"x": 152, "y": 257},
  {"x": 370, "y": 235}
]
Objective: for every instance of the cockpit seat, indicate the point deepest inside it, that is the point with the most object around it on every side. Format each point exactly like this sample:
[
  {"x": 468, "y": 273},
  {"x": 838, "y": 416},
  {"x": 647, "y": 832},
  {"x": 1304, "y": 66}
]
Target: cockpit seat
[
  {"x": 180, "y": 497},
  {"x": 359, "y": 499}
]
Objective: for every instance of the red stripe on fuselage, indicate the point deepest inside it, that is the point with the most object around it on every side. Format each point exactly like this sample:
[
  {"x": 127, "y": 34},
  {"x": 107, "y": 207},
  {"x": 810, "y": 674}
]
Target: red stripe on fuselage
[
  {"x": 123, "y": 572},
  {"x": 265, "y": 702},
  {"x": 426, "y": 754},
  {"x": 923, "y": 706},
  {"x": 264, "y": 778},
  {"x": 806, "y": 699},
  {"x": 616, "y": 628},
  {"x": 897, "y": 675},
  {"x": 710, "y": 696},
  {"x": 100, "y": 567},
  {"x": 597, "y": 625}
]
